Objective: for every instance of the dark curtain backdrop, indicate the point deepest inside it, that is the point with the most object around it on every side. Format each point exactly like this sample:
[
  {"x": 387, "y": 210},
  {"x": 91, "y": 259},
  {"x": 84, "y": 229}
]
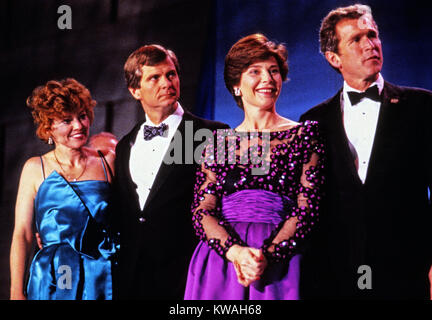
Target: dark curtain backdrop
[{"x": 104, "y": 32}]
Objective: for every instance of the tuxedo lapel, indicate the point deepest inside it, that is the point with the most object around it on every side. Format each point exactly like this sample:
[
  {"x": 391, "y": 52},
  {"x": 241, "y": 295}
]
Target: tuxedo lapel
[
  {"x": 124, "y": 155},
  {"x": 340, "y": 143},
  {"x": 165, "y": 169},
  {"x": 385, "y": 130}
]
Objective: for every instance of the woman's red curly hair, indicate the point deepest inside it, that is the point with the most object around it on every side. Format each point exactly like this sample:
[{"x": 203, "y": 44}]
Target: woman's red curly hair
[{"x": 57, "y": 99}]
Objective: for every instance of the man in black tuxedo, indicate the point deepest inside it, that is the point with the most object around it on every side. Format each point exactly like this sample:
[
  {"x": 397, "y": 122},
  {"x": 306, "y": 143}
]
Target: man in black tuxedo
[
  {"x": 373, "y": 241},
  {"x": 154, "y": 179}
]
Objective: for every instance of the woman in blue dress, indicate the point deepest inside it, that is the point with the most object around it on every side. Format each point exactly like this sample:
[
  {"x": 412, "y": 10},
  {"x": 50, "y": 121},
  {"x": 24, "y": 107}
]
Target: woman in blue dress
[{"x": 62, "y": 196}]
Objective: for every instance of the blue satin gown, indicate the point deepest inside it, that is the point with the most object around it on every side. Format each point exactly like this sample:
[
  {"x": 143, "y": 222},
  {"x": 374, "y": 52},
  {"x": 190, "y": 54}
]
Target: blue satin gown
[{"x": 75, "y": 261}]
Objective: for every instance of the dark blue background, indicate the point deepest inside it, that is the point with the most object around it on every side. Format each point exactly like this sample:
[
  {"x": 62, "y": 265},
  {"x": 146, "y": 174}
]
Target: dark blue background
[{"x": 405, "y": 32}]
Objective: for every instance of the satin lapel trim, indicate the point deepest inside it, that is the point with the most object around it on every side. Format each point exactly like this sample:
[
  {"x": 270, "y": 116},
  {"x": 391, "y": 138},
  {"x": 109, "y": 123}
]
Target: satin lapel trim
[
  {"x": 389, "y": 98},
  {"x": 132, "y": 187},
  {"x": 166, "y": 170},
  {"x": 341, "y": 139}
]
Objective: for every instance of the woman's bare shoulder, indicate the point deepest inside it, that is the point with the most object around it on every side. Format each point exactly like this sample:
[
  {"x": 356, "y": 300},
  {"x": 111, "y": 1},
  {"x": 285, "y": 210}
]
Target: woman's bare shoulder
[
  {"x": 31, "y": 174},
  {"x": 32, "y": 164}
]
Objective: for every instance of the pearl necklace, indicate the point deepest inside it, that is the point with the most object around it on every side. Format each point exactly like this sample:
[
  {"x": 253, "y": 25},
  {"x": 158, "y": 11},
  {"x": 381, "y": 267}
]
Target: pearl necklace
[{"x": 64, "y": 171}]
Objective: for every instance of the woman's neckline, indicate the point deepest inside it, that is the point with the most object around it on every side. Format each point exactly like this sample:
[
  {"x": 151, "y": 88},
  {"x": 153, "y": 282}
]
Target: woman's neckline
[
  {"x": 71, "y": 181},
  {"x": 269, "y": 131}
]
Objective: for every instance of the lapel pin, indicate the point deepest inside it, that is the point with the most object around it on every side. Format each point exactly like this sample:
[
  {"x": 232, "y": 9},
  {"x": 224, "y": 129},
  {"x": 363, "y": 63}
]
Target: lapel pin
[{"x": 394, "y": 100}]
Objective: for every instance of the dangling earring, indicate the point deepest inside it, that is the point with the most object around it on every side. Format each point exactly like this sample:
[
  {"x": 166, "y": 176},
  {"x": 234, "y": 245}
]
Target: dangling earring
[
  {"x": 237, "y": 91},
  {"x": 50, "y": 140}
]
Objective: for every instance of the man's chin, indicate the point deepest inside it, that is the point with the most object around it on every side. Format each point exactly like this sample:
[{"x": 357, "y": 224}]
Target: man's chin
[
  {"x": 169, "y": 101},
  {"x": 374, "y": 67},
  {"x": 172, "y": 103},
  {"x": 373, "y": 73}
]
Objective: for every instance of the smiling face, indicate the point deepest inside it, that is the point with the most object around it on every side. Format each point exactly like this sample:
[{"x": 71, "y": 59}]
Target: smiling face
[
  {"x": 71, "y": 131},
  {"x": 359, "y": 57},
  {"x": 260, "y": 84},
  {"x": 159, "y": 86}
]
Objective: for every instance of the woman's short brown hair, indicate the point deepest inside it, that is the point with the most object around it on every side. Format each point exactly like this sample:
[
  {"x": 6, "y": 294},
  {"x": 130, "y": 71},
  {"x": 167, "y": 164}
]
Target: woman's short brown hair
[
  {"x": 55, "y": 100},
  {"x": 248, "y": 50},
  {"x": 148, "y": 55}
]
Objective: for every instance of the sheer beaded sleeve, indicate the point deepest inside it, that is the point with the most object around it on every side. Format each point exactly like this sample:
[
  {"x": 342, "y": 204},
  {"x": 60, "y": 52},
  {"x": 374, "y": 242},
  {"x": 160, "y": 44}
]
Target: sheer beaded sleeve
[
  {"x": 206, "y": 208},
  {"x": 291, "y": 173},
  {"x": 306, "y": 191}
]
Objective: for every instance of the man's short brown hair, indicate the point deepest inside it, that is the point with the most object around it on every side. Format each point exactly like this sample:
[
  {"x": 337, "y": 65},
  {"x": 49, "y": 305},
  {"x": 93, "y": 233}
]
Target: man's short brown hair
[
  {"x": 327, "y": 35},
  {"x": 148, "y": 55}
]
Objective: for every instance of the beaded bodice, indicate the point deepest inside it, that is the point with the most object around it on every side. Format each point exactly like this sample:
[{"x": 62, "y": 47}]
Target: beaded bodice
[{"x": 288, "y": 164}]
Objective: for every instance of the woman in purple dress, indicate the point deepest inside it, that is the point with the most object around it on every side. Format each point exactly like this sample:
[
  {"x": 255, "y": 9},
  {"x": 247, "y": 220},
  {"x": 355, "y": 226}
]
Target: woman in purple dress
[{"x": 256, "y": 200}]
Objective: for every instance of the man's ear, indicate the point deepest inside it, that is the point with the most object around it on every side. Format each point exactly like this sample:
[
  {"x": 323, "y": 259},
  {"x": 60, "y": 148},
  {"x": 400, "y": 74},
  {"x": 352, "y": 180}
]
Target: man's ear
[
  {"x": 135, "y": 92},
  {"x": 334, "y": 59}
]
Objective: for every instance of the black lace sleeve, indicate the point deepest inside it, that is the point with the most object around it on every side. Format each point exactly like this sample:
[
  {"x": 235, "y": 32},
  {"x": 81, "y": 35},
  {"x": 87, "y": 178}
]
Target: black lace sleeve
[
  {"x": 285, "y": 240},
  {"x": 207, "y": 219}
]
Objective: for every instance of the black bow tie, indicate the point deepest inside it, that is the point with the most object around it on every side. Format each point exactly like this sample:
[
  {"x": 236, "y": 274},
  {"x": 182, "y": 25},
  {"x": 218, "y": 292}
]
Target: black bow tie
[
  {"x": 150, "y": 132},
  {"x": 371, "y": 93}
]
